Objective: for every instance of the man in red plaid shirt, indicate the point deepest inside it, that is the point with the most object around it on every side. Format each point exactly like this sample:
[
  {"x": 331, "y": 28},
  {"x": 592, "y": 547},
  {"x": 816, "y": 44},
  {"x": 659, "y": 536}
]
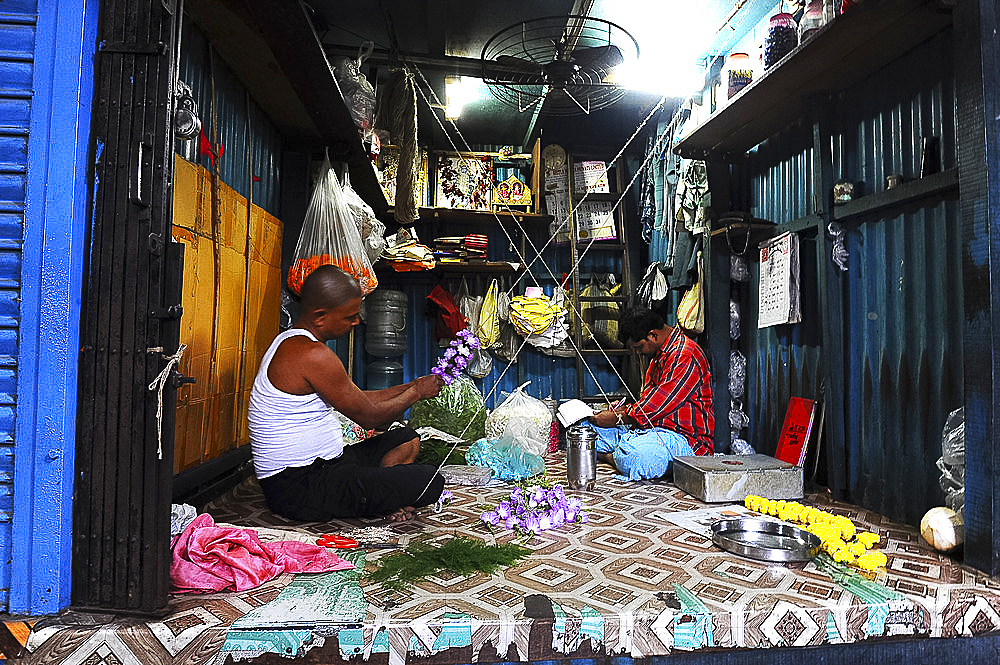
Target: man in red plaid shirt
[{"x": 673, "y": 414}]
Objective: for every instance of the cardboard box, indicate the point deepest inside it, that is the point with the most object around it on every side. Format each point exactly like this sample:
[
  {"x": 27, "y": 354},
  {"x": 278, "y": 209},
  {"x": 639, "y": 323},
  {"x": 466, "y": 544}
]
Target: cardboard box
[{"x": 731, "y": 478}]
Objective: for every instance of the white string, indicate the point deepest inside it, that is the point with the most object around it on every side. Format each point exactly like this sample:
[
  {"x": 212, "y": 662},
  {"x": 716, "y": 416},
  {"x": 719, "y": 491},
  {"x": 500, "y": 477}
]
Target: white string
[
  {"x": 538, "y": 252},
  {"x": 562, "y": 225},
  {"x": 158, "y": 384}
]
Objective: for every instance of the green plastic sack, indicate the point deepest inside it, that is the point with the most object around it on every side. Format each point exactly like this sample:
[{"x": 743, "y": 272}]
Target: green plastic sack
[{"x": 459, "y": 409}]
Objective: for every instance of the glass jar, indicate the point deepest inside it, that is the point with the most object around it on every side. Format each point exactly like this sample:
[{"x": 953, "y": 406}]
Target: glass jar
[
  {"x": 739, "y": 73},
  {"x": 782, "y": 38},
  {"x": 813, "y": 18}
]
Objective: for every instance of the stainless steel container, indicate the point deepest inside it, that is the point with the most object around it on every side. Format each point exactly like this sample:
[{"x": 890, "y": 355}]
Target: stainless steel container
[{"x": 581, "y": 457}]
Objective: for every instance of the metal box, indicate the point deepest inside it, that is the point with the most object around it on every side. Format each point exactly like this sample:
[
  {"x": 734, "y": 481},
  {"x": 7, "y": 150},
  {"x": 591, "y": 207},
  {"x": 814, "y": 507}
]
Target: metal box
[{"x": 731, "y": 478}]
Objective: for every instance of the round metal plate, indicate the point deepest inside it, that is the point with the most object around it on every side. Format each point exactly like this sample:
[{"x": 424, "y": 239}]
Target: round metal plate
[{"x": 765, "y": 540}]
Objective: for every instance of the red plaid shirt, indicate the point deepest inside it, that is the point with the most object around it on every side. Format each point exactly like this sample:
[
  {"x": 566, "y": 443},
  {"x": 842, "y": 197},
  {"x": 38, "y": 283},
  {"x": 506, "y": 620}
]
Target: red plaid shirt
[{"x": 677, "y": 393}]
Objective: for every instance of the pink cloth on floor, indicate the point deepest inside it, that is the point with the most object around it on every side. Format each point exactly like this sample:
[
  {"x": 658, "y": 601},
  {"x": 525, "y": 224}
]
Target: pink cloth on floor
[{"x": 208, "y": 558}]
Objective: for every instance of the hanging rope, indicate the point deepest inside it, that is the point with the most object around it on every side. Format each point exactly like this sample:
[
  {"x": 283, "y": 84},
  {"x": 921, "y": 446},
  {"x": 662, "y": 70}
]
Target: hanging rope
[
  {"x": 538, "y": 252},
  {"x": 398, "y": 114},
  {"x": 158, "y": 384}
]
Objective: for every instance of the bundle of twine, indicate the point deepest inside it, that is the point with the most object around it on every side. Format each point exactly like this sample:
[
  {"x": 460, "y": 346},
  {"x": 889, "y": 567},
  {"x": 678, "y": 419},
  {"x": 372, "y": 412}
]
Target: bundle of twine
[{"x": 398, "y": 115}]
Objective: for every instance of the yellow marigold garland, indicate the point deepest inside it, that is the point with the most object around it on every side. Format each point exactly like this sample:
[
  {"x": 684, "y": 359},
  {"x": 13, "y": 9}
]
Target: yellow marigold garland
[{"x": 838, "y": 535}]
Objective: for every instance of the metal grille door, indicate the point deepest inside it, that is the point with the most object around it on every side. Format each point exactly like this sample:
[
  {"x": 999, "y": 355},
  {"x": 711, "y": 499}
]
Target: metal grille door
[{"x": 130, "y": 320}]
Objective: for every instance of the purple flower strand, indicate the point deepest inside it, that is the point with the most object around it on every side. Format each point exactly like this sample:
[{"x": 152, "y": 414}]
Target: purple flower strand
[
  {"x": 535, "y": 510},
  {"x": 456, "y": 356}
]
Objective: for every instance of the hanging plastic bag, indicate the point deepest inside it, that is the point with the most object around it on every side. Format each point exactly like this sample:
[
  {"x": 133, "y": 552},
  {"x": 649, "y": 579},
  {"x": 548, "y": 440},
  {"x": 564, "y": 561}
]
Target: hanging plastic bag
[
  {"x": 358, "y": 93},
  {"x": 459, "y": 409},
  {"x": 329, "y": 236},
  {"x": 449, "y": 321},
  {"x": 532, "y": 315},
  {"x": 522, "y": 418},
  {"x": 691, "y": 310},
  {"x": 488, "y": 324},
  {"x": 480, "y": 363},
  {"x": 371, "y": 229},
  {"x": 653, "y": 286},
  {"x": 509, "y": 343},
  {"x": 555, "y": 341}
]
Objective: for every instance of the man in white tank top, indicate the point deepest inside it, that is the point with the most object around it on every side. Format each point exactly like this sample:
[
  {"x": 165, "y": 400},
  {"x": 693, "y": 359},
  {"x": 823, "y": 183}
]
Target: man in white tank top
[{"x": 299, "y": 456}]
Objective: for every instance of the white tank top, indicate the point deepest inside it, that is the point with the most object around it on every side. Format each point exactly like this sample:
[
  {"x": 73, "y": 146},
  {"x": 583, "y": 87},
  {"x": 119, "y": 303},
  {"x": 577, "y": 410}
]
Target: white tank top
[{"x": 289, "y": 430}]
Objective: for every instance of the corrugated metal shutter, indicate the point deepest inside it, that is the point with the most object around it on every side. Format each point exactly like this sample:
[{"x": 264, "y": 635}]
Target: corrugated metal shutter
[
  {"x": 900, "y": 340},
  {"x": 17, "y": 34}
]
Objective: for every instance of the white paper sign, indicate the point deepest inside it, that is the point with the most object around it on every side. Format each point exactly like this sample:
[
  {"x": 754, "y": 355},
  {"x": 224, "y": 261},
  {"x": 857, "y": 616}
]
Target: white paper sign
[{"x": 778, "y": 298}]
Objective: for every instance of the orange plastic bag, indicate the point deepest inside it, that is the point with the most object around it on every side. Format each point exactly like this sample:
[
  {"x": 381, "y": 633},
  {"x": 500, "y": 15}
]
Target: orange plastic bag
[{"x": 330, "y": 236}]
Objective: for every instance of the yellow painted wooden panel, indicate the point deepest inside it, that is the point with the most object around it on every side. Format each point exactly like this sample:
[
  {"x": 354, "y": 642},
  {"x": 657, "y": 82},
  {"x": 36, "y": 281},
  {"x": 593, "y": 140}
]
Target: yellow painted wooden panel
[
  {"x": 211, "y": 413},
  {"x": 187, "y": 196}
]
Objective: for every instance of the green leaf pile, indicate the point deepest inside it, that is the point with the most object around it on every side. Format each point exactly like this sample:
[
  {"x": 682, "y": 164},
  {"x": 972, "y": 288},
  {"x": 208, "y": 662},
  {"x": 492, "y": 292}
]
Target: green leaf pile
[
  {"x": 460, "y": 555},
  {"x": 436, "y": 453},
  {"x": 458, "y": 410}
]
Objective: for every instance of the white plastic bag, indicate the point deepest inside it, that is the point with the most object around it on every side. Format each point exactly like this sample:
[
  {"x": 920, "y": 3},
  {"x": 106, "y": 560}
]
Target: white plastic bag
[
  {"x": 329, "y": 236},
  {"x": 372, "y": 231},
  {"x": 522, "y": 418}
]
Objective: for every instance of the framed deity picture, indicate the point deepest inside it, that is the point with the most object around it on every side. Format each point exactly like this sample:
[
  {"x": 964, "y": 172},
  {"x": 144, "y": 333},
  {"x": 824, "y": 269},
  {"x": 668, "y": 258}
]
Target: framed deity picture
[
  {"x": 463, "y": 180},
  {"x": 511, "y": 192}
]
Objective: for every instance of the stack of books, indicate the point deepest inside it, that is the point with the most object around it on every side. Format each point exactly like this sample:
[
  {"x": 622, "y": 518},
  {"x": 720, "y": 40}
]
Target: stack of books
[{"x": 461, "y": 249}]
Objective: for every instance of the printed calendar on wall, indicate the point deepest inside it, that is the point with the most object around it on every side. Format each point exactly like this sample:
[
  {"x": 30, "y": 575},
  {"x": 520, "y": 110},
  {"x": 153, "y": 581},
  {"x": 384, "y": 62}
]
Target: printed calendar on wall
[{"x": 778, "y": 299}]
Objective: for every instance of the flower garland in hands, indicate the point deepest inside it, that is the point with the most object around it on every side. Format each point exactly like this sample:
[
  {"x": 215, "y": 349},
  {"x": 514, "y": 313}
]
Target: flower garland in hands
[
  {"x": 536, "y": 509},
  {"x": 456, "y": 356}
]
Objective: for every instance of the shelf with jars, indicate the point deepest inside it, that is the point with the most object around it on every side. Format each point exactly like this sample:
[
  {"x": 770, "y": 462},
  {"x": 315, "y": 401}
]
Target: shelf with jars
[{"x": 831, "y": 57}]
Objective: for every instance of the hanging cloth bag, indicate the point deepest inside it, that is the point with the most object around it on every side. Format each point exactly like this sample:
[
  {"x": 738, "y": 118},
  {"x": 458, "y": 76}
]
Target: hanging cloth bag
[
  {"x": 480, "y": 363},
  {"x": 691, "y": 311},
  {"x": 451, "y": 319},
  {"x": 329, "y": 236},
  {"x": 601, "y": 318}
]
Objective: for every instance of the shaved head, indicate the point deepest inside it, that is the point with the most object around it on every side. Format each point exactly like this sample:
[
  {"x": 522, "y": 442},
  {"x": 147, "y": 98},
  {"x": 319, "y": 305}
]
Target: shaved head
[{"x": 328, "y": 287}]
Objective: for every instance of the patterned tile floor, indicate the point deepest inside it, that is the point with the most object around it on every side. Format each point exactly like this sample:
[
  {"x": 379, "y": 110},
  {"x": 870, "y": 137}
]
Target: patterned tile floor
[{"x": 640, "y": 579}]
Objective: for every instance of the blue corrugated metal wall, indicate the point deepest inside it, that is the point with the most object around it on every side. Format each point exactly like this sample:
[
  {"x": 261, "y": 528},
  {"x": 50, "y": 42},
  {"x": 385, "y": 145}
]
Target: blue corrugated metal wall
[
  {"x": 902, "y": 296},
  {"x": 198, "y": 66},
  {"x": 17, "y": 34}
]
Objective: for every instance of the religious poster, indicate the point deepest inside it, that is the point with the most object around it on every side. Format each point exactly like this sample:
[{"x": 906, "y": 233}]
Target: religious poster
[
  {"x": 778, "y": 297},
  {"x": 387, "y": 167},
  {"x": 463, "y": 181}
]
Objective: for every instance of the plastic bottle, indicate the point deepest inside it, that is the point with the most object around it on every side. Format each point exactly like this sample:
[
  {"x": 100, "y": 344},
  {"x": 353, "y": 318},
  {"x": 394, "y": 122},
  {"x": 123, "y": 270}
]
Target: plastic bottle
[
  {"x": 782, "y": 38},
  {"x": 383, "y": 373},
  {"x": 813, "y": 18},
  {"x": 385, "y": 323},
  {"x": 739, "y": 73}
]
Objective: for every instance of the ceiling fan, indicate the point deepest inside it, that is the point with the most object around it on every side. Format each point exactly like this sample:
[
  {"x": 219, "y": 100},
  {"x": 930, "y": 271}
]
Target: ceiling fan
[{"x": 560, "y": 65}]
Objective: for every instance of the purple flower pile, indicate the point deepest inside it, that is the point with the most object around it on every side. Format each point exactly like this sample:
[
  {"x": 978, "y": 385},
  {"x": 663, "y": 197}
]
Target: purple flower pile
[
  {"x": 536, "y": 509},
  {"x": 456, "y": 356}
]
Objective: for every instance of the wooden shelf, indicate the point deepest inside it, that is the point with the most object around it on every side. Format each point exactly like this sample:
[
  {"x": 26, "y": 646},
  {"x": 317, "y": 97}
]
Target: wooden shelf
[
  {"x": 901, "y": 194},
  {"x": 488, "y": 267},
  {"x": 479, "y": 216},
  {"x": 904, "y": 193},
  {"x": 842, "y": 53},
  {"x": 607, "y": 352}
]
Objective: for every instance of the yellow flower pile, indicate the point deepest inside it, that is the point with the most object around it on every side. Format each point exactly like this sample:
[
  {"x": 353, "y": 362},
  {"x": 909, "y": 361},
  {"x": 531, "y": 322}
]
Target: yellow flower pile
[{"x": 840, "y": 539}]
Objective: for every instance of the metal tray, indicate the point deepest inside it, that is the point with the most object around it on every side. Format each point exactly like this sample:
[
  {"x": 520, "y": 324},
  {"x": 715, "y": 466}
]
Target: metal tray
[{"x": 765, "y": 540}]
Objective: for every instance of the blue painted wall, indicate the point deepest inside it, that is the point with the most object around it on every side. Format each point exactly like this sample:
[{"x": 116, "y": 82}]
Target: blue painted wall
[{"x": 46, "y": 90}]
